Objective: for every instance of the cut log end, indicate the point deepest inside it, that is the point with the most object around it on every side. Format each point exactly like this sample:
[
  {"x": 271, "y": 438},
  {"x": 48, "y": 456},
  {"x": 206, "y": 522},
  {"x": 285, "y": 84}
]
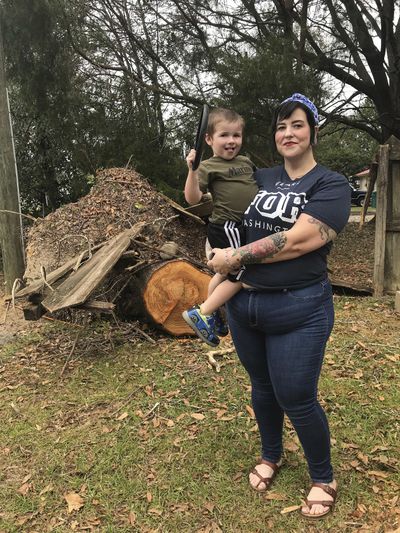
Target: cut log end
[
  {"x": 168, "y": 289},
  {"x": 171, "y": 289}
]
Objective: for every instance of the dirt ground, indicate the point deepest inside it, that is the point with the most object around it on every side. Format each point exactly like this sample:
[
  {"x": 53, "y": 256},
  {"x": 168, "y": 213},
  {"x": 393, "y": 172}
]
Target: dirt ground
[
  {"x": 352, "y": 257},
  {"x": 12, "y": 322}
]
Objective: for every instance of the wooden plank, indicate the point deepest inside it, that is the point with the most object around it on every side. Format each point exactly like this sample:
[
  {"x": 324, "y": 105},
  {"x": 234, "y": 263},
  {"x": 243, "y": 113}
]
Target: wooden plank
[
  {"x": 37, "y": 285},
  {"x": 380, "y": 221},
  {"x": 98, "y": 306},
  {"x": 202, "y": 209},
  {"x": 393, "y": 226},
  {"x": 392, "y": 251},
  {"x": 76, "y": 288},
  {"x": 360, "y": 289}
]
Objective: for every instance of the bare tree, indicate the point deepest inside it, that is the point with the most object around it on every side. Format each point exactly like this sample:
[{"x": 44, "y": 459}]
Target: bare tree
[
  {"x": 173, "y": 48},
  {"x": 357, "y": 42}
]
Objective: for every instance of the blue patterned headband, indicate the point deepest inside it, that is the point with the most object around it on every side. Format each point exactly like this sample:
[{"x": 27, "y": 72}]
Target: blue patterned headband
[{"x": 297, "y": 97}]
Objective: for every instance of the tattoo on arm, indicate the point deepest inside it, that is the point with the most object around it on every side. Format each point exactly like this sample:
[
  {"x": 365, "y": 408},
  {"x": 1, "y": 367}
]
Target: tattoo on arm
[
  {"x": 327, "y": 233},
  {"x": 256, "y": 251}
]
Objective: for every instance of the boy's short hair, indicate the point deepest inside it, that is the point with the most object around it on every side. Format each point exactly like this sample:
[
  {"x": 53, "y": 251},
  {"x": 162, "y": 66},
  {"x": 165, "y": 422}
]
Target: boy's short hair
[{"x": 219, "y": 114}]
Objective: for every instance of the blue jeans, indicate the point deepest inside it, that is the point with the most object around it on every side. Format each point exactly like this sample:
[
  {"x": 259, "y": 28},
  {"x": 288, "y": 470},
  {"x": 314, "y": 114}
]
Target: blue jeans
[{"x": 280, "y": 338}]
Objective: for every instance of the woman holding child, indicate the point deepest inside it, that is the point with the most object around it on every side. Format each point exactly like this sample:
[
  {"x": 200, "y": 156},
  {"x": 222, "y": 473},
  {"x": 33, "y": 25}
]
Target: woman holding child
[{"x": 282, "y": 318}]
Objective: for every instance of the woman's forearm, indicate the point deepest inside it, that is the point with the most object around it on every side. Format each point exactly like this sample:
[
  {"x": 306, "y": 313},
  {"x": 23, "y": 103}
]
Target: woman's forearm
[
  {"x": 306, "y": 235},
  {"x": 261, "y": 251}
]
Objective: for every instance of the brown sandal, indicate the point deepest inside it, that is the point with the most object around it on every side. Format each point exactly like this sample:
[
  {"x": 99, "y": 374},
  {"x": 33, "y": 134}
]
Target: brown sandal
[
  {"x": 266, "y": 480},
  {"x": 331, "y": 503}
]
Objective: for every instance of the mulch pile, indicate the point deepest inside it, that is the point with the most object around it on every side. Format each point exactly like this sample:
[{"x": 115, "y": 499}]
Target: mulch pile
[{"x": 120, "y": 198}]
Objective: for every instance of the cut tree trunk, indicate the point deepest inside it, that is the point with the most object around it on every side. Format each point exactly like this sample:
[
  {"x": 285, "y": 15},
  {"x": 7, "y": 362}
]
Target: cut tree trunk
[{"x": 162, "y": 291}]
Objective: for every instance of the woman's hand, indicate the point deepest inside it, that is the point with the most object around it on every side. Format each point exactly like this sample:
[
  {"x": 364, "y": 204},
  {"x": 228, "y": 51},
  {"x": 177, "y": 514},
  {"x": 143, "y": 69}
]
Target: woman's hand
[{"x": 224, "y": 261}]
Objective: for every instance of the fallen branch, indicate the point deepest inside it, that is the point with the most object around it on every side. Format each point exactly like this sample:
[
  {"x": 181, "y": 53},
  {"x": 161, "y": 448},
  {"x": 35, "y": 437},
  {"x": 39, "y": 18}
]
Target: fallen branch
[
  {"x": 221, "y": 352},
  {"x": 152, "y": 410},
  {"x": 73, "y": 347},
  {"x": 211, "y": 357},
  {"x": 141, "y": 332},
  {"x": 44, "y": 276},
  {"x": 126, "y": 402},
  {"x": 182, "y": 210},
  {"x": 19, "y": 214},
  {"x": 214, "y": 363},
  {"x": 14, "y": 288}
]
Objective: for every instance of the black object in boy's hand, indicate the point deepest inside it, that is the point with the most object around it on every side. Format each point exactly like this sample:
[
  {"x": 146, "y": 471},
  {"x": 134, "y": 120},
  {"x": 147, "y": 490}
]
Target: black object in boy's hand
[{"x": 201, "y": 131}]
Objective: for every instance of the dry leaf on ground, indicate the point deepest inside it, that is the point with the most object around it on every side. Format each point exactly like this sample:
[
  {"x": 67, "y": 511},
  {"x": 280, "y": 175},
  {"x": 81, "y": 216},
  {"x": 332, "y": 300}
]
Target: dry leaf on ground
[{"x": 74, "y": 501}]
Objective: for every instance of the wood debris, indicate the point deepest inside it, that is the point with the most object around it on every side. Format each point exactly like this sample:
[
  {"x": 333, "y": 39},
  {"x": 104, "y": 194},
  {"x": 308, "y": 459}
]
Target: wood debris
[{"x": 124, "y": 248}]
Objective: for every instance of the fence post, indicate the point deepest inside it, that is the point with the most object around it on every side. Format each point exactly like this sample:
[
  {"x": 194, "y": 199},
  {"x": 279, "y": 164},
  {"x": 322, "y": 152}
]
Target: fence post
[
  {"x": 392, "y": 255},
  {"x": 387, "y": 228},
  {"x": 380, "y": 220}
]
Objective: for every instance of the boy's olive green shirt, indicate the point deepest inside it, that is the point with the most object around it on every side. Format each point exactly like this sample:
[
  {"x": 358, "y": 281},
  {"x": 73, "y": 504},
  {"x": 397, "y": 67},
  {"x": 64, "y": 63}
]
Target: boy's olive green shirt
[{"x": 231, "y": 185}]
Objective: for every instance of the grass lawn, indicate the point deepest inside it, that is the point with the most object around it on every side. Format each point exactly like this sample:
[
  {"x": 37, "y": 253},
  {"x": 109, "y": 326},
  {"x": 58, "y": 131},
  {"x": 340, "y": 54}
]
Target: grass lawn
[{"x": 134, "y": 436}]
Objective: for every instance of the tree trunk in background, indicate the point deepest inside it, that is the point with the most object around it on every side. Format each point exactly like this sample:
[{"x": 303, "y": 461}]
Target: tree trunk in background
[{"x": 10, "y": 224}]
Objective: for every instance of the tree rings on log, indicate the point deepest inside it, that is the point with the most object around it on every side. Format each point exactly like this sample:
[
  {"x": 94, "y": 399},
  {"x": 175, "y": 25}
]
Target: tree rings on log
[{"x": 166, "y": 290}]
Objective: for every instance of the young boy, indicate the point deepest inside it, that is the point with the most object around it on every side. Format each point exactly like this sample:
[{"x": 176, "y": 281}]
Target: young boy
[{"x": 228, "y": 176}]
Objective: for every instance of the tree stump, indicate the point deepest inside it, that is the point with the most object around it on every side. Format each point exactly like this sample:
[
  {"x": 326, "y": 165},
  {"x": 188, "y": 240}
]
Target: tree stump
[{"x": 161, "y": 292}]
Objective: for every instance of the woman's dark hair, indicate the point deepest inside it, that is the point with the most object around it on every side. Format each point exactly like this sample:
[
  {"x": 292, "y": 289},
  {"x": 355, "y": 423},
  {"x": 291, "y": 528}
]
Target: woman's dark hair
[{"x": 283, "y": 111}]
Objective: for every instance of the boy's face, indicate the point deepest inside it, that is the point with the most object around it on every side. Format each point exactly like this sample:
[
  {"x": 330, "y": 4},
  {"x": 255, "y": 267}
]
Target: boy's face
[{"x": 226, "y": 140}]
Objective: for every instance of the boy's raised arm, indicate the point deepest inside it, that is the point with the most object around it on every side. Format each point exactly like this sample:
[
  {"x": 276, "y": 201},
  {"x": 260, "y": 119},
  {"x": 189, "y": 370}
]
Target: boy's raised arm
[{"x": 193, "y": 194}]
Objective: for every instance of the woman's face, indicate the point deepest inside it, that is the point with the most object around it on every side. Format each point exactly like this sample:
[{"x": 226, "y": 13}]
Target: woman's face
[{"x": 292, "y": 135}]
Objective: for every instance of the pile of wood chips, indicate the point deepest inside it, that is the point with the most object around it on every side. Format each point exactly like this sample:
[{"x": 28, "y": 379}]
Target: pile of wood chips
[
  {"x": 124, "y": 248},
  {"x": 120, "y": 198}
]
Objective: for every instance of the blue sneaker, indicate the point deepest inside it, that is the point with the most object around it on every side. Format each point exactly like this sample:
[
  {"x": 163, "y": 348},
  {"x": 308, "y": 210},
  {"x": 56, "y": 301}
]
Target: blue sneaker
[
  {"x": 221, "y": 327},
  {"x": 202, "y": 325}
]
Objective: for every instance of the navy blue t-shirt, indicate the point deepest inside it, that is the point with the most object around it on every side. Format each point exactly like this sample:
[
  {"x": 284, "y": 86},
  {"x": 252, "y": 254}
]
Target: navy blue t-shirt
[{"x": 322, "y": 194}]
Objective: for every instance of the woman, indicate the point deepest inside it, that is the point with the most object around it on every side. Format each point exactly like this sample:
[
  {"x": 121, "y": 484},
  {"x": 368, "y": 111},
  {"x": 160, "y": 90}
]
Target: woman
[{"x": 281, "y": 321}]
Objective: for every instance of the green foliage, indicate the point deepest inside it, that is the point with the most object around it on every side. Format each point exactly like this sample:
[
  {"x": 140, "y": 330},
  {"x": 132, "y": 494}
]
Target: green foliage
[
  {"x": 254, "y": 84},
  {"x": 45, "y": 101},
  {"x": 345, "y": 149},
  {"x": 95, "y": 85},
  {"x": 68, "y": 121}
]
